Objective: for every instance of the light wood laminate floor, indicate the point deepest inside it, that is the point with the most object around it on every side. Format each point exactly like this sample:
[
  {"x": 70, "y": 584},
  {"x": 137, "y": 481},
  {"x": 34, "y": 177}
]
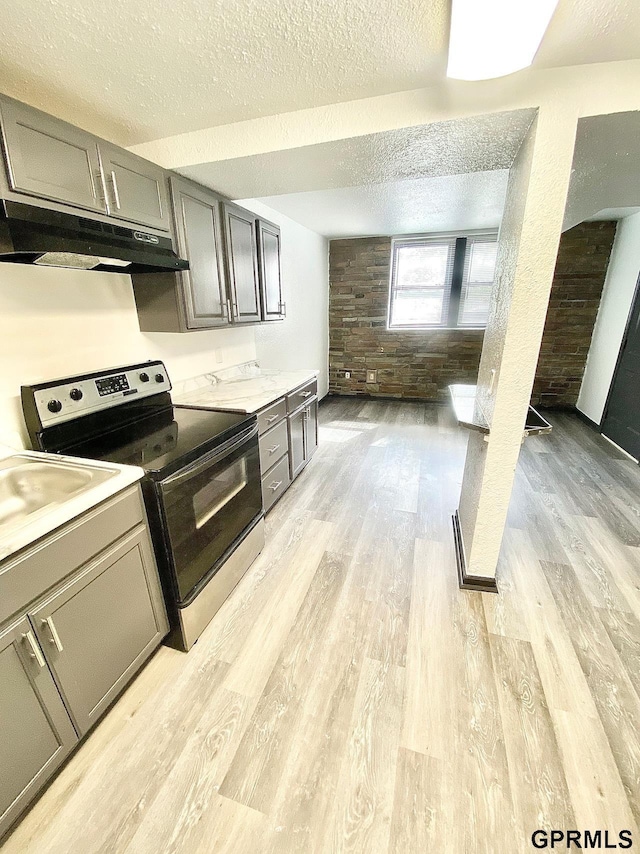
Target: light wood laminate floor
[{"x": 349, "y": 697}]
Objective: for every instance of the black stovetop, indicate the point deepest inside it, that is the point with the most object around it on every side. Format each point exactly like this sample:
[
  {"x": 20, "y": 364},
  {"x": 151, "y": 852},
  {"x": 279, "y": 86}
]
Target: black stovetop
[{"x": 164, "y": 441}]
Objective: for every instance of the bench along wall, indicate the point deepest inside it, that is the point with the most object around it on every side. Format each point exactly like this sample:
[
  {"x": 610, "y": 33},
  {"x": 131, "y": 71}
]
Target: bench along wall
[{"x": 421, "y": 364}]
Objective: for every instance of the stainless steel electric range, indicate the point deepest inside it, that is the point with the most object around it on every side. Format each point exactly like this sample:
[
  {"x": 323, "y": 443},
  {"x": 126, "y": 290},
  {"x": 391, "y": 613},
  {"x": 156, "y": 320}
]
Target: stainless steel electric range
[{"x": 202, "y": 476}]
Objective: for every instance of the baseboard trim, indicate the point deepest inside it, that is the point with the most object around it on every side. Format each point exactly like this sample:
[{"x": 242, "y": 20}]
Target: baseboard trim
[
  {"x": 468, "y": 582},
  {"x": 586, "y": 420},
  {"x": 366, "y": 397}
]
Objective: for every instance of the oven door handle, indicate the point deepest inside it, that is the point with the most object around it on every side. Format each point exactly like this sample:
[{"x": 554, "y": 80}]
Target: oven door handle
[{"x": 211, "y": 458}]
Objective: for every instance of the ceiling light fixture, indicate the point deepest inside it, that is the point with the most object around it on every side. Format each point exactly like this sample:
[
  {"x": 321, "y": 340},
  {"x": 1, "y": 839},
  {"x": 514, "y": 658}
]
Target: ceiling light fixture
[{"x": 495, "y": 37}]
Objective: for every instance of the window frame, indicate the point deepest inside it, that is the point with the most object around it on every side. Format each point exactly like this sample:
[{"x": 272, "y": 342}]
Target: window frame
[{"x": 455, "y": 285}]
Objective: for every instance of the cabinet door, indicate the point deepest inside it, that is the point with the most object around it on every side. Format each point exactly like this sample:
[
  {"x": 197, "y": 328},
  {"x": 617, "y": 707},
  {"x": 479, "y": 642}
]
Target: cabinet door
[
  {"x": 98, "y": 629},
  {"x": 296, "y": 423},
  {"x": 50, "y": 159},
  {"x": 136, "y": 189},
  {"x": 199, "y": 237},
  {"x": 311, "y": 430},
  {"x": 37, "y": 733},
  {"x": 242, "y": 266},
  {"x": 269, "y": 270}
]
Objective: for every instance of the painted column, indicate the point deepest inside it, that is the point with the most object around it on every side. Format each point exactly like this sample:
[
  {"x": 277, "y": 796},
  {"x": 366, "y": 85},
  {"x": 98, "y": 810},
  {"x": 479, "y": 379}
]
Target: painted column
[{"x": 528, "y": 246}]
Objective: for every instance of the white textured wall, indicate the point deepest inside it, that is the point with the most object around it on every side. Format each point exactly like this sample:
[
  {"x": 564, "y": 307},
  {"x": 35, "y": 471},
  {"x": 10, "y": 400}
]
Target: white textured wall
[
  {"x": 528, "y": 246},
  {"x": 302, "y": 339},
  {"x": 59, "y": 322},
  {"x": 617, "y": 296}
]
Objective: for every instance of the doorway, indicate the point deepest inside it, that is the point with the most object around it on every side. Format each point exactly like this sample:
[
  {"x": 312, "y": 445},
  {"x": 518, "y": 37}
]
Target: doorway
[{"x": 621, "y": 421}]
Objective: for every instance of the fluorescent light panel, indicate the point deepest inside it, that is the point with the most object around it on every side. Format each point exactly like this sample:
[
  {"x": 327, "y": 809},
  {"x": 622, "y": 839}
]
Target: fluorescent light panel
[{"x": 492, "y": 38}]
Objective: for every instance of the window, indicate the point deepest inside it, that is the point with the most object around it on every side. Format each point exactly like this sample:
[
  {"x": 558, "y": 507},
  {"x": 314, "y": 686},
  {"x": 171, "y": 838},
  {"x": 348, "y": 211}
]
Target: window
[{"x": 441, "y": 282}]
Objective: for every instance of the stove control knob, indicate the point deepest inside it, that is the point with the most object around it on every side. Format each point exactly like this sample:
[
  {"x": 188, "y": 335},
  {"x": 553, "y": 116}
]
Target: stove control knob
[
  {"x": 76, "y": 394},
  {"x": 159, "y": 378},
  {"x": 144, "y": 377},
  {"x": 54, "y": 406}
]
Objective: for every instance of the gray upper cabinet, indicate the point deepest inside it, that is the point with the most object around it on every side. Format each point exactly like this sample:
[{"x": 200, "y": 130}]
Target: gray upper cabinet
[
  {"x": 136, "y": 189},
  {"x": 37, "y": 733},
  {"x": 268, "y": 236},
  {"x": 199, "y": 238},
  {"x": 99, "y": 628},
  {"x": 242, "y": 263},
  {"x": 50, "y": 159}
]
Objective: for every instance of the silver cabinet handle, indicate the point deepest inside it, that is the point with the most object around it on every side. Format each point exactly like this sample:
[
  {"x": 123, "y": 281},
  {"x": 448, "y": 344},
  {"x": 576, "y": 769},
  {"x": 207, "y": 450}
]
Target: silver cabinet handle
[
  {"x": 306, "y": 393},
  {"x": 272, "y": 418},
  {"x": 229, "y": 309},
  {"x": 273, "y": 486},
  {"x": 34, "y": 648},
  {"x": 273, "y": 450},
  {"x": 116, "y": 194},
  {"x": 55, "y": 637},
  {"x": 98, "y": 183}
]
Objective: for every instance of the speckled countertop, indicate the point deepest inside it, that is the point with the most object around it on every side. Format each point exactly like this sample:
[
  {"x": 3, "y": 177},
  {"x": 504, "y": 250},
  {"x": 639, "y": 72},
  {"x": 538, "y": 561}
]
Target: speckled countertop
[
  {"x": 468, "y": 413},
  {"x": 20, "y": 528},
  {"x": 245, "y": 388}
]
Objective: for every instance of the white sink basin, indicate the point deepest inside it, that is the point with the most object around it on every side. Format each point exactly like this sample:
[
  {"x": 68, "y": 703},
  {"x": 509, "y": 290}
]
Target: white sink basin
[{"x": 31, "y": 486}]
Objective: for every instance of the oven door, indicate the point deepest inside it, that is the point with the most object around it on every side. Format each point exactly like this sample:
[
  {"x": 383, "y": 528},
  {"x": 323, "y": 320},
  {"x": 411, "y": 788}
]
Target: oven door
[{"x": 207, "y": 507}]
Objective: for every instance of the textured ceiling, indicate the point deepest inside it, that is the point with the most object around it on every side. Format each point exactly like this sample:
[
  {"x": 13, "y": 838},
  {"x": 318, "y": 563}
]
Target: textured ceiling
[
  {"x": 606, "y": 167},
  {"x": 434, "y": 203},
  {"x": 136, "y": 71},
  {"x": 444, "y": 148}
]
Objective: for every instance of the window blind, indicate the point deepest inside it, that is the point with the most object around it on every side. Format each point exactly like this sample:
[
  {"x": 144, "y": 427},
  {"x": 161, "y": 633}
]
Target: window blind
[
  {"x": 421, "y": 282},
  {"x": 477, "y": 281}
]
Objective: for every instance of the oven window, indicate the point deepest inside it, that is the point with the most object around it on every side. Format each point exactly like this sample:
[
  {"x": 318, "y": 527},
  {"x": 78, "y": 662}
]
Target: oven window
[
  {"x": 207, "y": 507},
  {"x": 219, "y": 491}
]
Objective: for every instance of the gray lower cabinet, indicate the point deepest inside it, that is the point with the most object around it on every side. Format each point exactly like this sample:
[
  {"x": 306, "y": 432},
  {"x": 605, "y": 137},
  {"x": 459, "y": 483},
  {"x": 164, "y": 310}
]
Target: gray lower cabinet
[
  {"x": 49, "y": 158},
  {"x": 273, "y": 445},
  {"x": 275, "y": 483},
  {"x": 99, "y": 628},
  {"x": 303, "y": 436},
  {"x": 37, "y": 733},
  {"x": 242, "y": 263},
  {"x": 311, "y": 429},
  {"x": 296, "y": 426},
  {"x": 73, "y": 643},
  {"x": 287, "y": 441}
]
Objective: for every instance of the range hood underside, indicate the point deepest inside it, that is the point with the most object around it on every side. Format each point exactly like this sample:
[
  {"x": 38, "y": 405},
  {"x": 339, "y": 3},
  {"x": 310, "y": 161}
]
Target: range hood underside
[{"x": 32, "y": 235}]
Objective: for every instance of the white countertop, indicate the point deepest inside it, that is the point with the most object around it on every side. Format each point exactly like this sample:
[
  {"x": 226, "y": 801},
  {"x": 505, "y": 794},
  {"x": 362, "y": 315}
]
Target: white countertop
[
  {"x": 24, "y": 532},
  {"x": 468, "y": 413},
  {"x": 246, "y": 388}
]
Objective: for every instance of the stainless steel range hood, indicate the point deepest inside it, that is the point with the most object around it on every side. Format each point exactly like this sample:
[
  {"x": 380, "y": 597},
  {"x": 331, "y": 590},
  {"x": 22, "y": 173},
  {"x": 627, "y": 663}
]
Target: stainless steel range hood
[{"x": 34, "y": 235}]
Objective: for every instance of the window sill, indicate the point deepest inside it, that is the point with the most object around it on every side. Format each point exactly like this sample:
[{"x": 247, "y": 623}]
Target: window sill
[{"x": 435, "y": 328}]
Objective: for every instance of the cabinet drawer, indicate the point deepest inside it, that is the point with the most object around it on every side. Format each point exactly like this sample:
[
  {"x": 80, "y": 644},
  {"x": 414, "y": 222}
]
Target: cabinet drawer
[
  {"x": 301, "y": 395},
  {"x": 28, "y": 576},
  {"x": 273, "y": 444},
  {"x": 270, "y": 416},
  {"x": 275, "y": 482}
]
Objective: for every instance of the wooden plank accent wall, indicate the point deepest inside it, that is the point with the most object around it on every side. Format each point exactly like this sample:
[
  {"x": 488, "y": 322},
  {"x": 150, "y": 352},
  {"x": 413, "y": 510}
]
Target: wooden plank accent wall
[{"x": 421, "y": 364}]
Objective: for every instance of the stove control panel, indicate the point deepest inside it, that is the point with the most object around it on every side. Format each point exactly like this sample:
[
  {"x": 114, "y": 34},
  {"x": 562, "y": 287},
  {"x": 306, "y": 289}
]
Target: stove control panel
[{"x": 64, "y": 399}]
